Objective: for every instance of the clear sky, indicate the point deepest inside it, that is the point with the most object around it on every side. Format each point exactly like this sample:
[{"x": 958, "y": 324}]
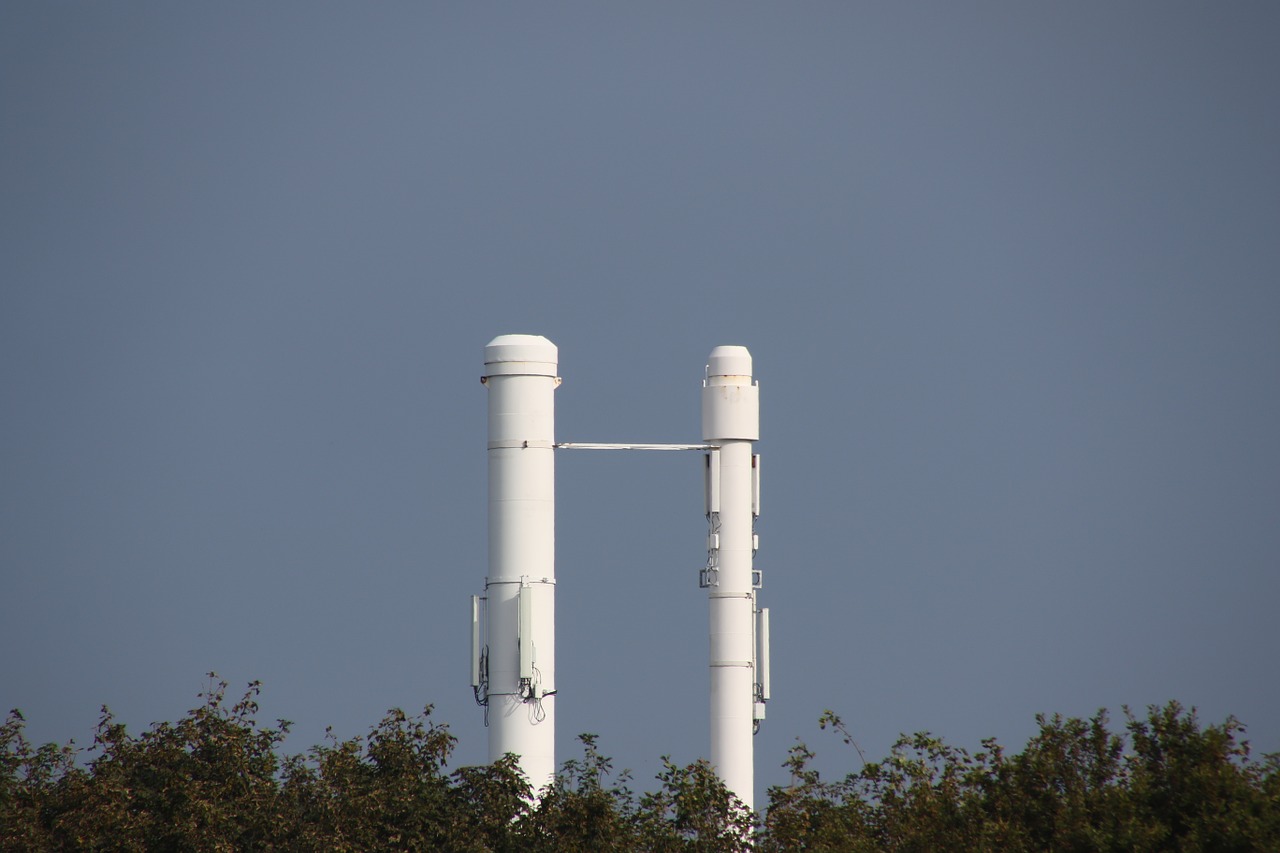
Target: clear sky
[{"x": 1010, "y": 273}]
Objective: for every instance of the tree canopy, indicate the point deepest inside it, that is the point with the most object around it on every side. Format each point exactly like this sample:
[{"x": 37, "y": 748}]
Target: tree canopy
[{"x": 217, "y": 780}]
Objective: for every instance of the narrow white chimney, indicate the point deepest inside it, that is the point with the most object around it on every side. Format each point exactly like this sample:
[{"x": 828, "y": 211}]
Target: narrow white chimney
[{"x": 514, "y": 666}]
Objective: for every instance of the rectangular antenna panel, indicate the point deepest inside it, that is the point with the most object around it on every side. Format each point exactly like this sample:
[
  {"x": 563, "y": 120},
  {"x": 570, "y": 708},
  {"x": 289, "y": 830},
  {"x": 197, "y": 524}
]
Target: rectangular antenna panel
[
  {"x": 762, "y": 651},
  {"x": 711, "y": 482},
  {"x": 475, "y": 641},
  {"x": 525, "y": 632},
  {"x": 755, "y": 485}
]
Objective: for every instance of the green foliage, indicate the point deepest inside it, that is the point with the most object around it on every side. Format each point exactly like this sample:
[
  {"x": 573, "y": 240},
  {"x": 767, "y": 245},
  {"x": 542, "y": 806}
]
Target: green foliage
[
  {"x": 579, "y": 813},
  {"x": 207, "y": 781},
  {"x": 29, "y": 783},
  {"x": 1167, "y": 784},
  {"x": 214, "y": 781},
  {"x": 384, "y": 791},
  {"x": 693, "y": 811}
]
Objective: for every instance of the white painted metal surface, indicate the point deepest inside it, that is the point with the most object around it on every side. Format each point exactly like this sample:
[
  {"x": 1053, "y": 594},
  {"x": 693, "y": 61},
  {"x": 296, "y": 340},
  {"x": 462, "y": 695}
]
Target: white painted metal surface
[
  {"x": 731, "y": 420},
  {"x": 518, "y": 660}
]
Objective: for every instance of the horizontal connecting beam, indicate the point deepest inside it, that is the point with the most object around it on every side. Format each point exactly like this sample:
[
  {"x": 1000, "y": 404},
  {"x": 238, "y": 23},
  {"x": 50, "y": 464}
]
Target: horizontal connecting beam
[{"x": 597, "y": 445}]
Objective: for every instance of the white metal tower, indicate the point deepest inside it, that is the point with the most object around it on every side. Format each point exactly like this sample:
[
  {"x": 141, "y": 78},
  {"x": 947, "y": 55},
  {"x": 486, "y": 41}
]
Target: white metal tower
[
  {"x": 513, "y": 670},
  {"x": 739, "y": 683}
]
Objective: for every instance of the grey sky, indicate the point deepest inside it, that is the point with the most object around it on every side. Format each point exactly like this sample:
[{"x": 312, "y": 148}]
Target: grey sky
[{"x": 1010, "y": 273}]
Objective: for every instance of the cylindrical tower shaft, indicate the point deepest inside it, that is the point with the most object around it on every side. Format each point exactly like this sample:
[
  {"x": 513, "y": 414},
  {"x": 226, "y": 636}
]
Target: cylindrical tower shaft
[
  {"x": 731, "y": 419},
  {"x": 519, "y": 656}
]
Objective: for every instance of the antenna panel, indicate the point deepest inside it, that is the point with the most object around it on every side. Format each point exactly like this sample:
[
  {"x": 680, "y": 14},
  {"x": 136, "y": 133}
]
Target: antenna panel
[
  {"x": 762, "y": 651},
  {"x": 475, "y": 641},
  {"x": 525, "y": 632},
  {"x": 755, "y": 485},
  {"x": 711, "y": 482}
]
